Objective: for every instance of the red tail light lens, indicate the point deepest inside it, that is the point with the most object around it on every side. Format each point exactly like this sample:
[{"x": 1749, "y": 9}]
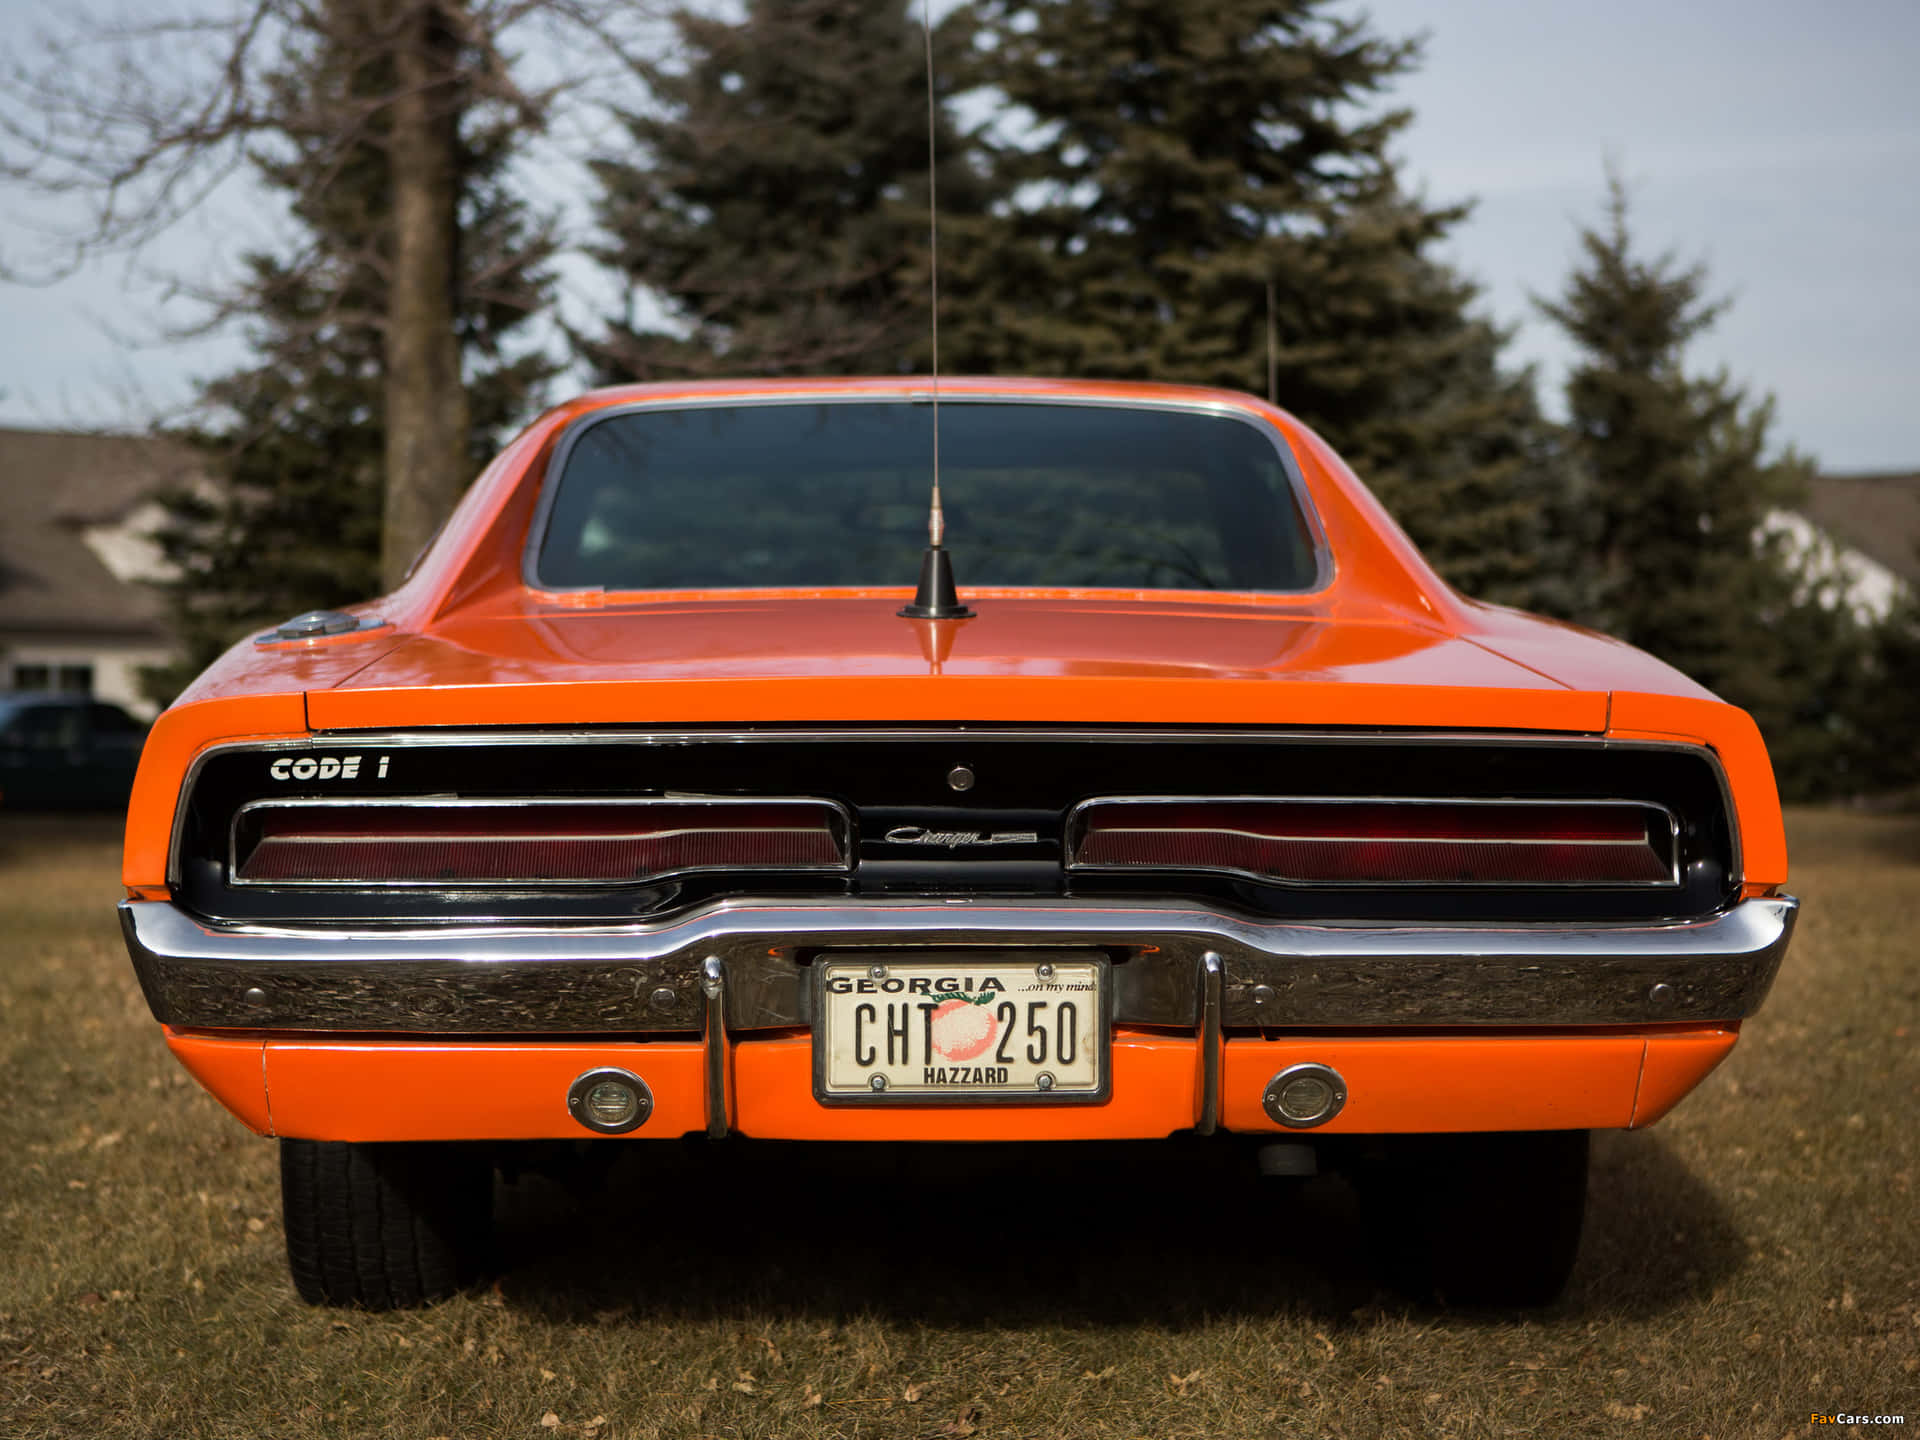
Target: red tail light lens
[
  {"x": 530, "y": 842},
  {"x": 1383, "y": 842}
]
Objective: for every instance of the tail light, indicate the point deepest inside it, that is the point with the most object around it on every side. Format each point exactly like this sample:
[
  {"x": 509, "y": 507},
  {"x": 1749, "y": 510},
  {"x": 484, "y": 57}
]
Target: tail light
[
  {"x": 529, "y": 842},
  {"x": 1383, "y": 842}
]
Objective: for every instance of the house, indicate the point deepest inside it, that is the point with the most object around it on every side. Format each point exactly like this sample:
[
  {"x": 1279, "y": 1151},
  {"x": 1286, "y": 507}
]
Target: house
[
  {"x": 75, "y": 550},
  {"x": 1858, "y": 538}
]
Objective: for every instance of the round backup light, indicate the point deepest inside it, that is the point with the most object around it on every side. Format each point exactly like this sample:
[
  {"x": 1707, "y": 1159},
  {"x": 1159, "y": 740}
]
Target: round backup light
[
  {"x": 610, "y": 1101},
  {"x": 1303, "y": 1096}
]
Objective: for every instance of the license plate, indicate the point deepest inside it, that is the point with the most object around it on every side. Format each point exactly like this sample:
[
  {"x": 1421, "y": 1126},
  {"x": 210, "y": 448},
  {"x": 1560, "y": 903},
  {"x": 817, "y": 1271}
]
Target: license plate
[{"x": 973, "y": 1029}]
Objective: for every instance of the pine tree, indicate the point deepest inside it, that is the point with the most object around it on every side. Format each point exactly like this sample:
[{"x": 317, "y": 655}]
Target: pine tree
[
  {"x": 777, "y": 204},
  {"x": 1190, "y": 175},
  {"x": 295, "y": 441},
  {"x": 1886, "y": 717},
  {"x": 1677, "y": 478},
  {"x": 1675, "y": 471}
]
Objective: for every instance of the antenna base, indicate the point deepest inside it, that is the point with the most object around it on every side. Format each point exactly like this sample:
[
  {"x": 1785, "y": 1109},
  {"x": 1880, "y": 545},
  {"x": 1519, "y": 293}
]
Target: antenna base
[{"x": 936, "y": 598}]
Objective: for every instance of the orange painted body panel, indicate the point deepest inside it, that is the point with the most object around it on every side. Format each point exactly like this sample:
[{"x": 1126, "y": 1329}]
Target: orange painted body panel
[
  {"x": 231, "y": 1068},
  {"x": 1433, "y": 1083},
  {"x": 1384, "y": 644},
  {"x": 1153, "y": 1096},
  {"x": 377, "y": 1090},
  {"x": 1675, "y": 1063},
  {"x": 176, "y": 739},
  {"x": 454, "y": 1090}
]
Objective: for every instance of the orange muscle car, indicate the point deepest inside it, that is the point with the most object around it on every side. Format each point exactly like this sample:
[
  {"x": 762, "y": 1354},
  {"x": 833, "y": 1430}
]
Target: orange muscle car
[{"x": 657, "y": 803}]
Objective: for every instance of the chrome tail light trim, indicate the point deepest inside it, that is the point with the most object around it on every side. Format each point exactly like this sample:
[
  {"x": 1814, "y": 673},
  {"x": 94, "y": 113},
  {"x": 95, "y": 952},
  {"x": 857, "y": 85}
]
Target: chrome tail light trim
[
  {"x": 1663, "y": 825},
  {"x": 247, "y": 836}
]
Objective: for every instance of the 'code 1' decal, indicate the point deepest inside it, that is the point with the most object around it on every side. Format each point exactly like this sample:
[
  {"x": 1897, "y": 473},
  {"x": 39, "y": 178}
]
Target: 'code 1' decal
[{"x": 327, "y": 767}]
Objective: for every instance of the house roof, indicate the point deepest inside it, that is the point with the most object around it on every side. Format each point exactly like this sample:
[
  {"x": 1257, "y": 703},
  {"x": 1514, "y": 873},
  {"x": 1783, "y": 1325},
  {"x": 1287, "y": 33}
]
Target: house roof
[
  {"x": 1878, "y": 515},
  {"x": 54, "y": 486}
]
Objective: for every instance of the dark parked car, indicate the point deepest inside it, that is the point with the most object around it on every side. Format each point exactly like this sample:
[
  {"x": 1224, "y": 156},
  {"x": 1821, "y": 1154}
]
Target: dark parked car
[{"x": 66, "y": 752}]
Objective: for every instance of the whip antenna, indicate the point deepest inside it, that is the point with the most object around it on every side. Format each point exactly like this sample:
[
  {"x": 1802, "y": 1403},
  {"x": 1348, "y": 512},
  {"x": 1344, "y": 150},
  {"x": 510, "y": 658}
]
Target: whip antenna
[{"x": 935, "y": 598}]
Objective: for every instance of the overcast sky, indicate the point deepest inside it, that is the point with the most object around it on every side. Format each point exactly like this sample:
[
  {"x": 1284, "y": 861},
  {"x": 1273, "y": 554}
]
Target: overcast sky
[{"x": 1779, "y": 143}]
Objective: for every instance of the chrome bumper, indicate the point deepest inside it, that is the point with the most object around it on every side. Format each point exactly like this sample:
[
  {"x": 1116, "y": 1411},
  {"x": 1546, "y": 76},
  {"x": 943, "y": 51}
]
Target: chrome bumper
[{"x": 666, "y": 977}]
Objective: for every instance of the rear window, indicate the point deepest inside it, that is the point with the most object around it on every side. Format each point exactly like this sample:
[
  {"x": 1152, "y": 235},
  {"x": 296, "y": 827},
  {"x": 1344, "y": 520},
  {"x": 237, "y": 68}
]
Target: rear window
[{"x": 727, "y": 496}]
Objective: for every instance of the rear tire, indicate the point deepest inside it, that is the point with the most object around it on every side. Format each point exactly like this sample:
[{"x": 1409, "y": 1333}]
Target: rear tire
[
  {"x": 1488, "y": 1220},
  {"x": 384, "y": 1226}
]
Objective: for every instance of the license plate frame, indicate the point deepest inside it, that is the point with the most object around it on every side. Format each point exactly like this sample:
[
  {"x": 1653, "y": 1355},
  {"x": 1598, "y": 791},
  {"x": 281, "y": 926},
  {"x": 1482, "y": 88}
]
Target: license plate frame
[{"x": 1070, "y": 965}]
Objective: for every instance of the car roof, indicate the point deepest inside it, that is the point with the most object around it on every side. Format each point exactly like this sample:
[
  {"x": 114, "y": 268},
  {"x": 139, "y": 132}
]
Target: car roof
[
  {"x": 13, "y": 701},
  {"x": 917, "y": 387}
]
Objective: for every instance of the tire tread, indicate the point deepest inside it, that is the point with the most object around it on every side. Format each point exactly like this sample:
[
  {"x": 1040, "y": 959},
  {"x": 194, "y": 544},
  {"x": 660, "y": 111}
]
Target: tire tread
[{"x": 383, "y": 1226}]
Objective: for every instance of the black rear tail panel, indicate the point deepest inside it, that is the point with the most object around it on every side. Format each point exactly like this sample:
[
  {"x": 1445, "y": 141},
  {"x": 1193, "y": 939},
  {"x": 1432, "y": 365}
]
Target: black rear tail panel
[{"x": 901, "y": 788}]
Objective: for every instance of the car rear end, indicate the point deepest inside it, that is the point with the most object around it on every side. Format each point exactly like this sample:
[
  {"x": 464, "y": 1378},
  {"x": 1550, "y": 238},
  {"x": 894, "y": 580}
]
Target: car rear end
[
  {"x": 1246, "y": 828},
  {"x": 980, "y": 932}
]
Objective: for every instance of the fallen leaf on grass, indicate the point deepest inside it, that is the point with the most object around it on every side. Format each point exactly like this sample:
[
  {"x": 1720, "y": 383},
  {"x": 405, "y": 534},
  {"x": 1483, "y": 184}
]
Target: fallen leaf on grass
[
  {"x": 1182, "y": 1385},
  {"x": 549, "y": 1421},
  {"x": 90, "y": 1299},
  {"x": 1106, "y": 1374},
  {"x": 1618, "y": 1411},
  {"x": 914, "y": 1391},
  {"x": 745, "y": 1387},
  {"x": 812, "y": 1398},
  {"x": 961, "y": 1424},
  {"x": 548, "y": 1375},
  {"x": 594, "y": 1425},
  {"x": 255, "y": 1224}
]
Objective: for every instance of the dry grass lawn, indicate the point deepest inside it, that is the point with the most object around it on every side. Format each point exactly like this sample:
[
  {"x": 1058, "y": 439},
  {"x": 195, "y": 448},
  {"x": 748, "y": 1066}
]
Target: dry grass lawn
[{"x": 1751, "y": 1261}]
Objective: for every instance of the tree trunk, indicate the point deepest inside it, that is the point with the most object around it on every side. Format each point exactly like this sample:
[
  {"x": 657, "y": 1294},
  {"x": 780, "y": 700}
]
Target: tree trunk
[{"x": 426, "y": 400}]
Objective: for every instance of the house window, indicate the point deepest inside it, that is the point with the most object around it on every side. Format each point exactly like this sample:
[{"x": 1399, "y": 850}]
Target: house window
[{"x": 66, "y": 679}]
